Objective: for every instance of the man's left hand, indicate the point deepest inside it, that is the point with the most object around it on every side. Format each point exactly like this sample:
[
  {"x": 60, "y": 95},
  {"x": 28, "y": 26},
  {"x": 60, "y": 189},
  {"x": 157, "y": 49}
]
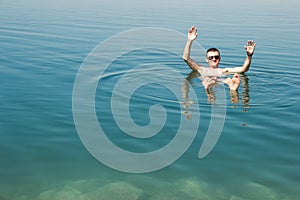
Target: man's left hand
[{"x": 250, "y": 47}]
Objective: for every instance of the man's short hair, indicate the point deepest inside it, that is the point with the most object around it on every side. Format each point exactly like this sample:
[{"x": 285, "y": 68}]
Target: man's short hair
[{"x": 213, "y": 50}]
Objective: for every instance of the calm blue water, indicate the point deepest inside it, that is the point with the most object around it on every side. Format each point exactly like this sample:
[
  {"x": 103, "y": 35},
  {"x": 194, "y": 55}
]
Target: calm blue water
[{"x": 43, "y": 45}]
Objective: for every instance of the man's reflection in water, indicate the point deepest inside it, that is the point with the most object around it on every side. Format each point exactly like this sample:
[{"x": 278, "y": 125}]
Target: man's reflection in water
[
  {"x": 245, "y": 93},
  {"x": 234, "y": 95},
  {"x": 211, "y": 93}
]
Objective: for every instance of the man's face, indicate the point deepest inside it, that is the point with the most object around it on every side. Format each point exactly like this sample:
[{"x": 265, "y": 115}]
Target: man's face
[{"x": 213, "y": 59}]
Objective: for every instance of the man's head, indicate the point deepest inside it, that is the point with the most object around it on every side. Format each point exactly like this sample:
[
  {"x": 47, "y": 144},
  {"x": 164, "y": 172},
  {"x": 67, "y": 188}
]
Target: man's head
[{"x": 213, "y": 57}]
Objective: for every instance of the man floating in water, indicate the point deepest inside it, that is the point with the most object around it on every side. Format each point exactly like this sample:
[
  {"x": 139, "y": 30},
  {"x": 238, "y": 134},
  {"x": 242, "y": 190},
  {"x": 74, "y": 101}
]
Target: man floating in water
[{"x": 210, "y": 74}]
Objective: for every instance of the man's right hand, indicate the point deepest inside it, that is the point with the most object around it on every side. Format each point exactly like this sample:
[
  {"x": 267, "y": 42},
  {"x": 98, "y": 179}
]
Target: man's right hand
[{"x": 192, "y": 34}]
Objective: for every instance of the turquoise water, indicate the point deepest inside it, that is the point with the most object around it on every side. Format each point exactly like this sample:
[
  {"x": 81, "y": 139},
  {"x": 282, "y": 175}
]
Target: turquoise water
[{"x": 43, "y": 45}]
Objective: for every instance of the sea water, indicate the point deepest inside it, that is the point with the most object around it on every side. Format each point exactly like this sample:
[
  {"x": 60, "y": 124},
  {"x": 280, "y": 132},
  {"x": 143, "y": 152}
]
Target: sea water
[{"x": 45, "y": 44}]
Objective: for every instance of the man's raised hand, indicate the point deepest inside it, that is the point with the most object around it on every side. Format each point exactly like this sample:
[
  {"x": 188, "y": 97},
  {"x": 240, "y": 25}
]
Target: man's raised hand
[
  {"x": 192, "y": 34},
  {"x": 250, "y": 47}
]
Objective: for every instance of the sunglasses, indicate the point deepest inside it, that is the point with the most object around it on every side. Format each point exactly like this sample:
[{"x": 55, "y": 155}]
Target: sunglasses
[{"x": 217, "y": 57}]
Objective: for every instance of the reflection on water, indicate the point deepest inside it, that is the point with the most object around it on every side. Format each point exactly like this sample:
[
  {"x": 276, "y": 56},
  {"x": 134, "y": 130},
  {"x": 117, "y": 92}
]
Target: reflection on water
[
  {"x": 236, "y": 96},
  {"x": 245, "y": 92}
]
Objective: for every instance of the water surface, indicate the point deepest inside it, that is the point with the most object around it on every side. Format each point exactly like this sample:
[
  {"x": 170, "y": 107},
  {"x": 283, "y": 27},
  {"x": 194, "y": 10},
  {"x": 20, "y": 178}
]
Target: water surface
[{"x": 43, "y": 45}]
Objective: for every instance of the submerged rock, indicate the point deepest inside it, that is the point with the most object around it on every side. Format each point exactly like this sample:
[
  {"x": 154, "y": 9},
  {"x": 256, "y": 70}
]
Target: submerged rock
[
  {"x": 22, "y": 197},
  {"x": 233, "y": 197},
  {"x": 170, "y": 196},
  {"x": 86, "y": 186},
  {"x": 67, "y": 193},
  {"x": 116, "y": 191},
  {"x": 47, "y": 195},
  {"x": 149, "y": 184},
  {"x": 194, "y": 188},
  {"x": 254, "y": 191}
]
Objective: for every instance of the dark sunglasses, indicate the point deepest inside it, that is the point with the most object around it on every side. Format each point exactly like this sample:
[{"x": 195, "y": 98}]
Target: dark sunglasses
[{"x": 212, "y": 57}]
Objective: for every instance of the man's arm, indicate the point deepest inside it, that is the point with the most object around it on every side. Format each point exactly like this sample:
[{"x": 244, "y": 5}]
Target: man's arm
[
  {"x": 192, "y": 35},
  {"x": 245, "y": 67}
]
